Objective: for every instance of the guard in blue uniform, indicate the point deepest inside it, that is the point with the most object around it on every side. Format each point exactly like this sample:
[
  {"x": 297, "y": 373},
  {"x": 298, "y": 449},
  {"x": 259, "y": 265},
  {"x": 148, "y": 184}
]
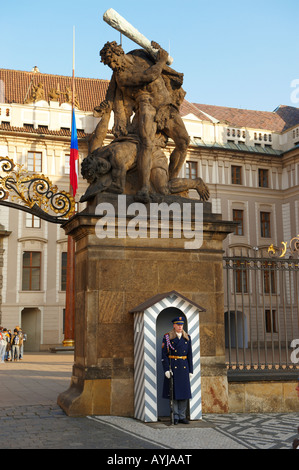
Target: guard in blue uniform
[{"x": 177, "y": 360}]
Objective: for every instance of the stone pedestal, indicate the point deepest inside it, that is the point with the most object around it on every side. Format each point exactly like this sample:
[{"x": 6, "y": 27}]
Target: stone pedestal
[{"x": 113, "y": 275}]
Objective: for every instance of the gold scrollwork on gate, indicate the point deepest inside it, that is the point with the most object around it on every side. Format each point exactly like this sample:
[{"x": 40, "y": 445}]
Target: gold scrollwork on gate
[
  {"x": 280, "y": 252},
  {"x": 33, "y": 190}
]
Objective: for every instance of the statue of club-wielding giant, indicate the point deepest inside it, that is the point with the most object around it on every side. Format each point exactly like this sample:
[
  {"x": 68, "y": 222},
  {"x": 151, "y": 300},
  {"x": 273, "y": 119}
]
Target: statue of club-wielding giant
[{"x": 145, "y": 95}]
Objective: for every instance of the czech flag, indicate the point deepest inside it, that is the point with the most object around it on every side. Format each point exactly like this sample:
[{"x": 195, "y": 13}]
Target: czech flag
[{"x": 74, "y": 156}]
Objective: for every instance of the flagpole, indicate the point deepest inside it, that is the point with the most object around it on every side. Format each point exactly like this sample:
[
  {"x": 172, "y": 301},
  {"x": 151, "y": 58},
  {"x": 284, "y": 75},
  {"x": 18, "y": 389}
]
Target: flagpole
[
  {"x": 69, "y": 324},
  {"x": 73, "y": 77}
]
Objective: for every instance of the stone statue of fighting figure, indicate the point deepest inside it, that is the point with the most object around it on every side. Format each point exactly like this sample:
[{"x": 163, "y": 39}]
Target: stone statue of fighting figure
[{"x": 145, "y": 95}]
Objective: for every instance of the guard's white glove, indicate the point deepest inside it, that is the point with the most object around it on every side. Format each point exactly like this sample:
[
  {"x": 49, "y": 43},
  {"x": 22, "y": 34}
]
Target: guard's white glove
[
  {"x": 167, "y": 374},
  {"x": 190, "y": 375}
]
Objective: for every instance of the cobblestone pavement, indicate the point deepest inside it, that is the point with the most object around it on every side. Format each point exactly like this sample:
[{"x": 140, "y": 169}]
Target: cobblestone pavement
[
  {"x": 259, "y": 431},
  {"x": 31, "y": 419},
  {"x": 47, "y": 427},
  {"x": 232, "y": 431}
]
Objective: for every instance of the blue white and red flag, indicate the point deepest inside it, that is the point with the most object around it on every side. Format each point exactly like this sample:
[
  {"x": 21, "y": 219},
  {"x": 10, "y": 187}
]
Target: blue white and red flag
[{"x": 74, "y": 156}]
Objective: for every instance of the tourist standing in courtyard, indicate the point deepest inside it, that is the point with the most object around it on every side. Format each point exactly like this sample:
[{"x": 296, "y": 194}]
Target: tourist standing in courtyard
[
  {"x": 2, "y": 345},
  {"x": 15, "y": 346},
  {"x": 23, "y": 338}
]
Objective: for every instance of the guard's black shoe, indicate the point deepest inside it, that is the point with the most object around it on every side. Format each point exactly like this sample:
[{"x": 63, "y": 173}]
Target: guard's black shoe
[
  {"x": 184, "y": 421},
  {"x": 176, "y": 421}
]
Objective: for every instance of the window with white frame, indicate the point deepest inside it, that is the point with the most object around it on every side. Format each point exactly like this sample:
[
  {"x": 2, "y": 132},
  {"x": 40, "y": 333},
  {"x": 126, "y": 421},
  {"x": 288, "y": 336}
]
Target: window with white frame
[
  {"x": 63, "y": 270},
  {"x": 265, "y": 224},
  {"x": 31, "y": 271},
  {"x": 34, "y": 161},
  {"x": 67, "y": 164},
  {"x": 191, "y": 169},
  {"x": 32, "y": 221},
  {"x": 238, "y": 217}
]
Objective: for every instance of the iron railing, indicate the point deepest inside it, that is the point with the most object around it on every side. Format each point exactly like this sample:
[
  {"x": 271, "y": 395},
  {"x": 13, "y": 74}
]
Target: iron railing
[{"x": 261, "y": 315}]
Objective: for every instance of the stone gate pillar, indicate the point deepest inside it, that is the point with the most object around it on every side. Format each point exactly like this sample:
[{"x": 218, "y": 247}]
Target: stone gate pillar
[{"x": 113, "y": 275}]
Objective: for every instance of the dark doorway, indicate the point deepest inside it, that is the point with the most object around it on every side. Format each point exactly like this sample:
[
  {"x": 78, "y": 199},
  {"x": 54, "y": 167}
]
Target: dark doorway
[
  {"x": 31, "y": 325},
  {"x": 235, "y": 322}
]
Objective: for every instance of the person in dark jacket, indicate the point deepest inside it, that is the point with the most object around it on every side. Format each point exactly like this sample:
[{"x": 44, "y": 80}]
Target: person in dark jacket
[
  {"x": 177, "y": 360},
  {"x": 15, "y": 345}
]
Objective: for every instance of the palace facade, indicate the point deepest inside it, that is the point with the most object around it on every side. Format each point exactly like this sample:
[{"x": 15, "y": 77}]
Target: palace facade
[{"x": 249, "y": 159}]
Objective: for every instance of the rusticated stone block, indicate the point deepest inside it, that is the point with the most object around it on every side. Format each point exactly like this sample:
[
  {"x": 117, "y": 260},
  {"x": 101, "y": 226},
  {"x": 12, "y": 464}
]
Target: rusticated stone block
[
  {"x": 214, "y": 394},
  {"x": 121, "y": 397},
  {"x": 236, "y": 398},
  {"x": 91, "y": 397},
  {"x": 111, "y": 307},
  {"x": 263, "y": 397}
]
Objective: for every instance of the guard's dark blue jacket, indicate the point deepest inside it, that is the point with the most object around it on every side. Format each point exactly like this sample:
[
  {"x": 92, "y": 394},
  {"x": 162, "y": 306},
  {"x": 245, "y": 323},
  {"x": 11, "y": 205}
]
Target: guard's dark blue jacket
[{"x": 180, "y": 358}]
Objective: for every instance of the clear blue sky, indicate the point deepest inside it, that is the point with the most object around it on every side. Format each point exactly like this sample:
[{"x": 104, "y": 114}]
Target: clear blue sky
[{"x": 232, "y": 53}]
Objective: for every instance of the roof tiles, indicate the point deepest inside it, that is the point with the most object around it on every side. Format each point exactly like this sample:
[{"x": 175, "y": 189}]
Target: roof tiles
[
  {"x": 283, "y": 118},
  {"x": 17, "y": 84},
  {"x": 91, "y": 92}
]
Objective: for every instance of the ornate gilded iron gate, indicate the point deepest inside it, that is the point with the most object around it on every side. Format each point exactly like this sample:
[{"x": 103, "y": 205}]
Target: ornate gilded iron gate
[
  {"x": 33, "y": 193},
  {"x": 261, "y": 315}
]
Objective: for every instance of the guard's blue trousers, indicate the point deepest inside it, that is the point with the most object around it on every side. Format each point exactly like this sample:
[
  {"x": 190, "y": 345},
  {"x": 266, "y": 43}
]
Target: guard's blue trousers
[{"x": 179, "y": 409}]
